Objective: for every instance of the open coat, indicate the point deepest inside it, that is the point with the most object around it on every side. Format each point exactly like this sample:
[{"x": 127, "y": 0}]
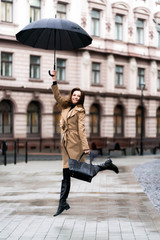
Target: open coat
[{"x": 74, "y": 139}]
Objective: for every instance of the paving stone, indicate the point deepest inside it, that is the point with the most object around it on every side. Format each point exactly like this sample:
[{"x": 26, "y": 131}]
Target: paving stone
[{"x": 113, "y": 207}]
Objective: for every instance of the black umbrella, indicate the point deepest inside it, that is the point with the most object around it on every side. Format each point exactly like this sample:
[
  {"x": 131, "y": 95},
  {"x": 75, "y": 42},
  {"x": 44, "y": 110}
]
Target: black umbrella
[{"x": 54, "y": 34}]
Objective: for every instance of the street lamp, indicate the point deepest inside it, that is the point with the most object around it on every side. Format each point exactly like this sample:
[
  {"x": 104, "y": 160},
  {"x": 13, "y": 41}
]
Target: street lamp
[{"x": 142, "y": 85}]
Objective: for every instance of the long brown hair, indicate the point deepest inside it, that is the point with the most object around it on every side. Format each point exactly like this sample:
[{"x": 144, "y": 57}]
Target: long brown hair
[{"x": 68, "y": 101}]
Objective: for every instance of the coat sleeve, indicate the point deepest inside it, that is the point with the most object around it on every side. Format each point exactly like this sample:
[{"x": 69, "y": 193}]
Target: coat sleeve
[
  {"x": 81, "y": 130},
  {"x": 57, "y": 94}
]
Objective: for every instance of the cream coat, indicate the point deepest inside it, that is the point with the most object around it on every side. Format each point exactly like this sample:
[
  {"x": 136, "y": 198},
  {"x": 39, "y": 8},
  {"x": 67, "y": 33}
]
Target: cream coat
[{"x": 72, "y": 124}]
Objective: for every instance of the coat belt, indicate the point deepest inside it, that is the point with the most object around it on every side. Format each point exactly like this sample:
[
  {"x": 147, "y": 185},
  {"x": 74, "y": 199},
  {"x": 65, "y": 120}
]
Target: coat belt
[
  {"x": 65, "y": 136},
  {"x": 65, "y": 133}
]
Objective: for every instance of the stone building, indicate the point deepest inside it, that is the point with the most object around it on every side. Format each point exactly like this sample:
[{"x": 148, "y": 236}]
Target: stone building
[{"x": 123, "y": 58}]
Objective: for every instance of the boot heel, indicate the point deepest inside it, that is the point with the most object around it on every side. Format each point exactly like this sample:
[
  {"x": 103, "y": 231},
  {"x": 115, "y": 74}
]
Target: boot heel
[
  {"x": 61, "y": 209},
  {"x": 67, "y": 207}
]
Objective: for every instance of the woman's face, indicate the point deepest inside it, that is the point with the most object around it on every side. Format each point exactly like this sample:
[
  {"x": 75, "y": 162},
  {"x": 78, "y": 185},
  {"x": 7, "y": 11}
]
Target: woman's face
[{"x": 75, "y": 97}]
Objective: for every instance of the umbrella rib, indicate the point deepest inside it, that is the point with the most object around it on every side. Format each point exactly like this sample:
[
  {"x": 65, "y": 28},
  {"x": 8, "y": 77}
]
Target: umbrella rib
[
  {"x": 39, "y": 35},
  {"x": 48, "y": 39},
  {"x": 71, "y": 39},
  {"x": 54, "y": 34}
]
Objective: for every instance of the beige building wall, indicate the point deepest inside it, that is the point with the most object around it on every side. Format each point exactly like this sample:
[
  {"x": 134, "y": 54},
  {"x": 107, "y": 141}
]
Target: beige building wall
[{"x": 21, "y": 90}]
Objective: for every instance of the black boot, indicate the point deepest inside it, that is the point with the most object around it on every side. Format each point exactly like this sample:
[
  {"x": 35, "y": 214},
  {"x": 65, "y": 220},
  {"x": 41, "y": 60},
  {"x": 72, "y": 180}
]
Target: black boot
[
  {"x": 65, "y": 188},
  {"x": 63, "y": 205},
  {"x": 108, "y": 165}
]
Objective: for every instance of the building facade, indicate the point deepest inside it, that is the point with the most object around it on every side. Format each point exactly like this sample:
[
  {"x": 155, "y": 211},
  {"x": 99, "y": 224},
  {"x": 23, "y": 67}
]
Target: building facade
[{"x": 123, "y": 58}]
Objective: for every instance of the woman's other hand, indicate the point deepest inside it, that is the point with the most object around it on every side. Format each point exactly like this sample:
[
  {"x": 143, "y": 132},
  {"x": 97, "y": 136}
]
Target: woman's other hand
[
  {"x": 87, "y": 151},
  {"x": 54, "y": 75}
]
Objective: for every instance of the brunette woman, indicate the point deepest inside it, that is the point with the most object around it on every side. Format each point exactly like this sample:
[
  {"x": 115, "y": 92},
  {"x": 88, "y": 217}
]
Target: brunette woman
[{"x": 73, "y": 135}]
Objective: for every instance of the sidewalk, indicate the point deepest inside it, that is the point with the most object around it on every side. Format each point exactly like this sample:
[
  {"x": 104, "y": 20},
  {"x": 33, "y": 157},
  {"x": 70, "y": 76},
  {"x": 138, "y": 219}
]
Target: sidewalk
[{"x": 112, "y": 207}]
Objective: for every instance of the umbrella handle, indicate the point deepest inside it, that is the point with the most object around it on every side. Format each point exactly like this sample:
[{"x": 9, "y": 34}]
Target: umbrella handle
[{"x": 49, "y": 72}]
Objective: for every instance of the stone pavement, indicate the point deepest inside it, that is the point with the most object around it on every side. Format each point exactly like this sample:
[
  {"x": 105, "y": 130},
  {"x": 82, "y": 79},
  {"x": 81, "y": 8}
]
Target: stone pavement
[{"x": 112, "y": 207}]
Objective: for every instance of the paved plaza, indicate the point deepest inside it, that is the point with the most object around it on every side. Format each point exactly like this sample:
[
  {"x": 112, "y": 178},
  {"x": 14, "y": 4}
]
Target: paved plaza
[{"x": 112, "y": 207}]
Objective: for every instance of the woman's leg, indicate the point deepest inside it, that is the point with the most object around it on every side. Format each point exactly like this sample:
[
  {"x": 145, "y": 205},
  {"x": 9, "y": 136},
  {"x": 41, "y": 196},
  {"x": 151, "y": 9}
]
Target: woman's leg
[
  {"x": 108, "y": 165},
  {"x": 65, "y": 188}
]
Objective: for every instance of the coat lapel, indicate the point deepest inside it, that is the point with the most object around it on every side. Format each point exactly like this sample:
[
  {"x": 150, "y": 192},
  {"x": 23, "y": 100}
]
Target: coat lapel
[
  {"x": 66, "y": 113},
  {"x": 73, "y": 111}
]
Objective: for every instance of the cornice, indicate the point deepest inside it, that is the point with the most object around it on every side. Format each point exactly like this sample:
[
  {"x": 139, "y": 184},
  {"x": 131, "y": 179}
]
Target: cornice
[
  {"x": 87, "y": 93},
  {"x": 7, "y": 37}
]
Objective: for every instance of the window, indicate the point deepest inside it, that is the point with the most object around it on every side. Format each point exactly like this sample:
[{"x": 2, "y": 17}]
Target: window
[
  {"x": 61, "y": 10},
  {"x": 35, "y": 8},
  {"x": 139, "y": 118},
  {"x": 61, "y": 70},
  {"x": 6, "y": 64},
  {"x": 158, "y": 122},
  {"x": 140, "y": 76},
  {"x": 33, "y": 118},
  {"x": 94, "y": 119},
  {"x": 95, "y": 73},
  {"x": 119, "y": 75},
  {"x": 140, "y": 31},
  {"x": 5, "y": 117},
  {"x": 6, "y": 10},
  {"x": 158, "y": 32},
  {"x": 119, "y": 27},
  {"x": 118, "y": 121},
  {"x": 95, "y": 23},
  {"x": 34, "y": 67},
  {"x": 158, "y": 80},
  {"x": 56, "y": 118}
]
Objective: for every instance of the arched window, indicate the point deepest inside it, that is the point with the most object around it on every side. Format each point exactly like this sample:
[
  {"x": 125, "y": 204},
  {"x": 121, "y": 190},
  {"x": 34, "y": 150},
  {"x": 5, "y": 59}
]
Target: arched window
[
  {"x": 118, "y": 121},
  {"x": 94, "y": 120},
  {"x": 5, "y": 117},
  {"x": 33, "y": 118},
  {"x": 139, "y": 118},
  {"x": 158, "y": 122},
  {"x": 56, "y": 120},
  {"x": 138, "y": 121}
]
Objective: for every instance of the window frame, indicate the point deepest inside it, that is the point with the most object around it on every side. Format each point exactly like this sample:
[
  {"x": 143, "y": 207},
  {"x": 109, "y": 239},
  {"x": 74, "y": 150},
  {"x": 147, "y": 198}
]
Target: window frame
[
  {"x": 158, "y": 122},
  {"x": 56, "y": 121},
  {"x": 119, "y": 76},
  {"x": 118, "y": 116},
  {"x": 33, "y": 13},
  {"x": 96, "y": 73},
  {"x": 140, "y": 31},
  {"x": 32, "y": 114},
  {"x": 94, "y": 117},
  {"x": 60, "y": 13},
  {"x": 61, "y": 70},
  {"x": 141, "y": 77},
  {"x": 158, "y": 37},
  {"x": 119, "y": 28},
  {"x": 34, "y": 67},
  {"x": 9, "y": 114},
  {"x": 158, "y": 80},
  {"x": 139, "y": 119},
  {"x": 95, "y": 23},
  {"x": 4, "y": 64},
  {"x": 5, "y": 11}
]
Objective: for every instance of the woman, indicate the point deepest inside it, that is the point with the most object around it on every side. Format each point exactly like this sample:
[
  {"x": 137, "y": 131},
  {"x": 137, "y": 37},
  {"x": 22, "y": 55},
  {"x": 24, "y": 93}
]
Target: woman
[{"x": 74, "y": 139}]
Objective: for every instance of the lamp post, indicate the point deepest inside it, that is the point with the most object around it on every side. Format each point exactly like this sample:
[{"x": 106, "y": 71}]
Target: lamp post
[{"x": 142, "y": 85}]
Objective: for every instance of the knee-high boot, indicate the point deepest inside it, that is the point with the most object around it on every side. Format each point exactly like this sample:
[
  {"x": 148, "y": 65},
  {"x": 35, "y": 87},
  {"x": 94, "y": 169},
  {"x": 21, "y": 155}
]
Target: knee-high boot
[
  {"x": 65, "y": 188},
  {"x": 107, "y": 165}
]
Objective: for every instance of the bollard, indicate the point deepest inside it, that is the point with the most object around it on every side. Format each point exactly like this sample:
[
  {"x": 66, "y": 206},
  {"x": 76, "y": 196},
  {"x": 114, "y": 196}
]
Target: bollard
[
  {"x": 15, "y": 152},
  {"x": 40, "y": 145},
  {"x": 26, "y": 152},
  {"x": 4, "y": 150},
  {"x": 18, "y": 145}
]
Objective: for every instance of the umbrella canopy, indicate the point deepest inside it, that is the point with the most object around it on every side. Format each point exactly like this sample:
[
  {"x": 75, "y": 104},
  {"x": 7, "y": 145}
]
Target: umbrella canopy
[{"x": 54, "y": 34}]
